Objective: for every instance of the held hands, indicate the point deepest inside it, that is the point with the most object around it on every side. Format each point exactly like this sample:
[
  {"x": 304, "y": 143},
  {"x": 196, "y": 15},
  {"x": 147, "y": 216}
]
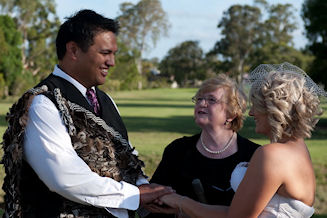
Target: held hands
[
  {"x": 169, "y": 204},
  {"x": 172, "y": 200},
  {"x": 152, "y": 192},
  {"x": 150, "y": 195}
]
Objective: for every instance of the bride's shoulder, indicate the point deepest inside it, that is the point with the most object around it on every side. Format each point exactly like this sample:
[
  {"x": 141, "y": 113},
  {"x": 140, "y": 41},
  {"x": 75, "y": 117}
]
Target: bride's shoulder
[
  {"x": 274, "y": 153},
  {"x": 273, "y": 149}
]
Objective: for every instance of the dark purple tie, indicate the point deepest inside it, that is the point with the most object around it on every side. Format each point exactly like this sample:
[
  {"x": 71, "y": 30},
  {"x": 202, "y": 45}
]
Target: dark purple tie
[{"x": 93, "y": 100}]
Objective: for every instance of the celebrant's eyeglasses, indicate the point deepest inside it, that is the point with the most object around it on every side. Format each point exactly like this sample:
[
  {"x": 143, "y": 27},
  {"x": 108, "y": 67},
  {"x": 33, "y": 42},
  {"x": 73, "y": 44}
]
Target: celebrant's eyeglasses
[{"x": 209, "y": 100}]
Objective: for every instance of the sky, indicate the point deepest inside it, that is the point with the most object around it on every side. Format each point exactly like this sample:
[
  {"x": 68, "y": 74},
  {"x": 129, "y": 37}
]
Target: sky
[{"x": 189, "y": 19}]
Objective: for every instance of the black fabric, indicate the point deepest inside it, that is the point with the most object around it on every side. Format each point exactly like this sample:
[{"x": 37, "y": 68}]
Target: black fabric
[
  {"x": 37, "y": 200},
  {"x": 181, "y": 163},
  {"x": 108, "y": 111}
]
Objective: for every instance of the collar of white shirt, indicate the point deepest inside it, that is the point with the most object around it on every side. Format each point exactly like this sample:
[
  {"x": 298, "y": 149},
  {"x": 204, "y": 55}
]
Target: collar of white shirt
[{"x": 58, "y": 72}]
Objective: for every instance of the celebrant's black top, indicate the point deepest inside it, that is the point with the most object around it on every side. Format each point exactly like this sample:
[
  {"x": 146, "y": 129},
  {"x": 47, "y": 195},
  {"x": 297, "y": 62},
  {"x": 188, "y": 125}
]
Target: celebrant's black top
[{"x": 182, "y": 163}]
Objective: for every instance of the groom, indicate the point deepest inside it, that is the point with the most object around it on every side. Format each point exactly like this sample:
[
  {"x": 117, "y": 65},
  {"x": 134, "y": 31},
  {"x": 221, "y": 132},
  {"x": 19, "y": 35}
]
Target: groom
[{"x": 77, "y": 161}]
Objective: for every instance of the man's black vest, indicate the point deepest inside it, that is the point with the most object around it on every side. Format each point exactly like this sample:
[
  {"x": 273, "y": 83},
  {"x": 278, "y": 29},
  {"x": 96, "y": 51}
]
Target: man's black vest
[
  {"x": 37, "y": 199},
  {"x": 108, "y": 111}
]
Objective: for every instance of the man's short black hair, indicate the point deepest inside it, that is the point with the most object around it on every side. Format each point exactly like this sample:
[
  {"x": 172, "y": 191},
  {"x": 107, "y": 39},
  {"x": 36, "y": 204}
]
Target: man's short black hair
[{"x": 81, "y": 28}]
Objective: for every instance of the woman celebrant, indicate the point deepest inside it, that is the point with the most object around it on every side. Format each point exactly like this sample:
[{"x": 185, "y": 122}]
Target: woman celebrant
[
  {"x": 200, "y": 166},
  {"x": 279, "y": 181}
]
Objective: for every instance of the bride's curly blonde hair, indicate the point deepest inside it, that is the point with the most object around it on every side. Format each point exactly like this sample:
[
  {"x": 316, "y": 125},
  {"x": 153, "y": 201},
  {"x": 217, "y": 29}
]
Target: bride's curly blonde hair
[{"x": 292, "y": 108}]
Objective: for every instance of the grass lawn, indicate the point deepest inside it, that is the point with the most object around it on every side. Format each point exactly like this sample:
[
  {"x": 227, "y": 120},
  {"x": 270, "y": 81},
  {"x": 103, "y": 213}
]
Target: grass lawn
[{"x": 156, "y": 117}]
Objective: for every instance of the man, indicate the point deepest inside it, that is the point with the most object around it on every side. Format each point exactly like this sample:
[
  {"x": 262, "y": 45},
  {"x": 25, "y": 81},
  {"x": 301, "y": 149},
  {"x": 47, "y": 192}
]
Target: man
[{"x": 74, "y": 164}]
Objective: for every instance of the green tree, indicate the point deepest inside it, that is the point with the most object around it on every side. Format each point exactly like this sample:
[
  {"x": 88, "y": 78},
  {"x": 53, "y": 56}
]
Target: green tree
[
  {"x": 240, "y": 31},
  {"x": 315, "y": 20},
  {"x": 142, "y": 25},
  {"x": 184, "y": 63},
  {"x": 250, "y": 39},
  {"x": 276, "y": 42},
  {"x": 10, "y": 54},
  {"x": 280, "y": 24},
  {"x": 212, "y": 65},
  {"x": 38, "y": 23}
]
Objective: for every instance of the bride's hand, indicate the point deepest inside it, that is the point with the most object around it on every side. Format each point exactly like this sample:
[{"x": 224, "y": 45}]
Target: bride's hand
[
  {"x": 172, "y": 200},
  {"x": 155, "y": 208}
]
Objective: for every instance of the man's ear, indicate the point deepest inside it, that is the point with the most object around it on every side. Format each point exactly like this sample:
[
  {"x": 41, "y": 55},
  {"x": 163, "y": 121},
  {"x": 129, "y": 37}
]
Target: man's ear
[{"x": 72, "y": 50}]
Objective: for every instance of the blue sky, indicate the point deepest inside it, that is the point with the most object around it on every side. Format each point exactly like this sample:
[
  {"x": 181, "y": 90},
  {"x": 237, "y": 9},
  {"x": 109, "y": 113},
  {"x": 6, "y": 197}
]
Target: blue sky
[{"x": 189, "y": 19}]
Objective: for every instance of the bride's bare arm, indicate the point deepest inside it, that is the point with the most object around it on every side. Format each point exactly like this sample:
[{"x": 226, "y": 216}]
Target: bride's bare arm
[{"x": 193, "y": 208}]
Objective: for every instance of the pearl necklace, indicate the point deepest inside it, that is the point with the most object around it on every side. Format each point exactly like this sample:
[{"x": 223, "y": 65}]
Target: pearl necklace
[{"x": 219, "y": 151}]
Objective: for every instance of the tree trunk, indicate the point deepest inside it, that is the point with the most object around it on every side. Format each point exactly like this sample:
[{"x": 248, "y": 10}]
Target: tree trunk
[
  {"x": 239, "y": 71},
  {"x": 139, "y": 69}
]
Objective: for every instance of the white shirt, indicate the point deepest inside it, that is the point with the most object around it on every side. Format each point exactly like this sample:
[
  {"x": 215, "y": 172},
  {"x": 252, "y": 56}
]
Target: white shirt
[{"x": 48, "y": 150}]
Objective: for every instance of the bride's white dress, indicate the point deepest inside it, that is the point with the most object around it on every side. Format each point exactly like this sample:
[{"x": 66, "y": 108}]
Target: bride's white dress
[{"x": 278, "y": 206}]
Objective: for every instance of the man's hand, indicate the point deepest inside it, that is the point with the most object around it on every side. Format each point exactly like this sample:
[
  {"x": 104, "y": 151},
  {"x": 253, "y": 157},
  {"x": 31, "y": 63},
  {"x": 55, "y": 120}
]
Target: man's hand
[{"x": 152, "y": 192}]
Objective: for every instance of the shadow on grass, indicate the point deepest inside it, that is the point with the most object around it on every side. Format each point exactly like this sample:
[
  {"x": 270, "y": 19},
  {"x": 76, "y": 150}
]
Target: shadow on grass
[
  {"x": 248, "y": 130},
  {"x": 320, "y": 131},
  {"x": 176, "y": 124},
  {"x": 180, "y": 124},
  {"x": 127, "y": 105},
  {"x": 319, "y": 216},
  {"x": 3, "y": 122},
  {"x": 186, "y": 125},
  {"x": 150, "y": 100}
]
